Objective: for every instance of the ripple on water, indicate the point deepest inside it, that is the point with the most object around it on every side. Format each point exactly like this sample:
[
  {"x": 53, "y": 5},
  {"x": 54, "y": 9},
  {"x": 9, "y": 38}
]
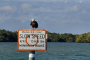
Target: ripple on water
[{"x": 55, "y": 51}]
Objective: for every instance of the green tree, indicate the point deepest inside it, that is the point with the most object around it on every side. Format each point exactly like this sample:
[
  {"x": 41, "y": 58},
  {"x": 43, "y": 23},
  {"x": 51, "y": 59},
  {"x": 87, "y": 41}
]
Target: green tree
[{"x": 81, "y": 38}]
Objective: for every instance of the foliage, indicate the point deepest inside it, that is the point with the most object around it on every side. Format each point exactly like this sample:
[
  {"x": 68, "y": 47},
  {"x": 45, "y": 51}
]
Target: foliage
[
  {"x": 68, "y": 37},
  {"x": 83, "y": 38},
  {"x": 9, "y": 36}
]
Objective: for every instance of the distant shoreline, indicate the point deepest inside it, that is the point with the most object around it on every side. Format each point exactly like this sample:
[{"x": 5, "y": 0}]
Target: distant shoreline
[{"x": 9, "y": 36}]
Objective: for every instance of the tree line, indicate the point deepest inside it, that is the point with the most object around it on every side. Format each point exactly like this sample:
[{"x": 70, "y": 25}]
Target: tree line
[
  {"x": 9, "y": 36},
  {"x": 68, "y": 37}
]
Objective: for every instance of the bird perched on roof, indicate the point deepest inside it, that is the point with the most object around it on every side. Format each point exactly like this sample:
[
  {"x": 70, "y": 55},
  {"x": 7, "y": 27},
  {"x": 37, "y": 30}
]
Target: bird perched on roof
[{"x": 34, "y": 24}]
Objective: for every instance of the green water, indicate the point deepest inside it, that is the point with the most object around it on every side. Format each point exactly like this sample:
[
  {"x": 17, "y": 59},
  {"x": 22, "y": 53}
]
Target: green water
[{"x": 55, "y": 51}]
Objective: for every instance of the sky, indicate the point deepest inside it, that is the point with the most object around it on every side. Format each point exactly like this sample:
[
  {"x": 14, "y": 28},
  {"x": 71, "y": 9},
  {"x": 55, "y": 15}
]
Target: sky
[{"x": 59, "y": 16}]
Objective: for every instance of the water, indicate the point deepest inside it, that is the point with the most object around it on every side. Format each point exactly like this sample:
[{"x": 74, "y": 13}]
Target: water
[{"x": 55, "y": 51}]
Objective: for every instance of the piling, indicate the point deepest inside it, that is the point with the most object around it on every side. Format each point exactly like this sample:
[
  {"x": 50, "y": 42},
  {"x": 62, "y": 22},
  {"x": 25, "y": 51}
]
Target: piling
[{"x": 32, "y": 55}]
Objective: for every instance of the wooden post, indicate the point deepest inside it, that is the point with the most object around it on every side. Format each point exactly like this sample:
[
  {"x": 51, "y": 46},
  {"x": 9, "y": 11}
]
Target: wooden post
[{"x": 32, "y": 55}]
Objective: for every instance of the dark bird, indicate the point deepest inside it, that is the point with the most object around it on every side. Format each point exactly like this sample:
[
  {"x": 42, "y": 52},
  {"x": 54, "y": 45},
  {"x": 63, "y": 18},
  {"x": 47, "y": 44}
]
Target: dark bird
[{"x": 34, "y": 24}]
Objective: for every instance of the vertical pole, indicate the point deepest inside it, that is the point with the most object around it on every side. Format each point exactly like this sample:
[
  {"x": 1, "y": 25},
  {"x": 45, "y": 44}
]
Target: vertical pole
[{"x": 32, "y": 55}]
